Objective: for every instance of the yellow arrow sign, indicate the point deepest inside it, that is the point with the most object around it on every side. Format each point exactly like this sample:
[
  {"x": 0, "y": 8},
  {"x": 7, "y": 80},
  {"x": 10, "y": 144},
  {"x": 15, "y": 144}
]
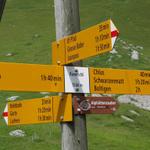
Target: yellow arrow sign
[
  {"x": 40, "y": 110},
  {"x": 31, "y": 77},
  {"x": 115, "y": 81},
  {"x": 90, "y": 42}
]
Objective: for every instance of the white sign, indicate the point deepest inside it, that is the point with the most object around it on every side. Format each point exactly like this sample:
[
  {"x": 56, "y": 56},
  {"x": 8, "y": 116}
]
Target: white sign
[{"x": 76, "y": 80}]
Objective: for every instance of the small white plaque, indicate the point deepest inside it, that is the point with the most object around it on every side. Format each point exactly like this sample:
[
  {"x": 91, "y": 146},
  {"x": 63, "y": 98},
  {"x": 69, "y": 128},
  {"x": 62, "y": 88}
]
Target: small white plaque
[{"x": 76, "y": 80}]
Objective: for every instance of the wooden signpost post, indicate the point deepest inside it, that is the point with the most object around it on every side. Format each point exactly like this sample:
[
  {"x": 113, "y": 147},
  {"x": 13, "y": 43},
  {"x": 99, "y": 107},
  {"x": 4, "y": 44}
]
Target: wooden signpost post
[
  {"x": 2, "y": 6},
  {"x": 67, "y": 19}
]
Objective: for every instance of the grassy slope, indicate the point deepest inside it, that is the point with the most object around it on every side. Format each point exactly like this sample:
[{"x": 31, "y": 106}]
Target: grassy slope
[
  {"x": 27, "y": 31},
  {"x": 131, "y": 18}
]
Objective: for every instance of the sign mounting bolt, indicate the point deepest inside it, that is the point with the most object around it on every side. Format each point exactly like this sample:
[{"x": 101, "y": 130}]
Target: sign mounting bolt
[{"x": 62, "y": 118}]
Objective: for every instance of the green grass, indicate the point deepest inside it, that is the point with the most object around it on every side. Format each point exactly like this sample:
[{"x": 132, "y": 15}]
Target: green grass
[
  {"x": 107, "y": 132},
  {"x": 37, "y": 137},
  {"x": 111, "y": 132},
  {"x": 131, "y": 18},
  {"x": 27, "y": 30}
]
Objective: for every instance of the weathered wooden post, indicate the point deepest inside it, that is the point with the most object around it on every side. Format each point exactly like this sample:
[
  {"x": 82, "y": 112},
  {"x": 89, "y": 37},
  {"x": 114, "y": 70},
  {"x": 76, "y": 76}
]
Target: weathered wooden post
[
  {"x": 2, "y": 5},
  {"x": 67, "y": 19}
]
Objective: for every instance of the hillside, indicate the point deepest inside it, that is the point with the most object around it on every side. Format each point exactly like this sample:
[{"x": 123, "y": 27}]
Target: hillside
[{"x": 26, "y": 33}]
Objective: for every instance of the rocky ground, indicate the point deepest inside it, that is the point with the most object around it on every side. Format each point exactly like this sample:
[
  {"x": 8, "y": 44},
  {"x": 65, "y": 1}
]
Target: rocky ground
[
  {"x": 141, "y": 101},
  {"x": 138, "y": 100}
]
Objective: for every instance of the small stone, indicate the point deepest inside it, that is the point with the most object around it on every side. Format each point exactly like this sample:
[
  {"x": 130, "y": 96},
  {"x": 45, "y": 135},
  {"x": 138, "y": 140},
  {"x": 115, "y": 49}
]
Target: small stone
[
  {"x": 139, "y": 47},
  {"x": 126, "y": 47},
  {"x": 119, "y": 56},
  {"x": 113, "y": 51},
  {"x": 135, "y": 55},
  {"x": 141, "y": 101},
  {"x": 44, "y": 93},
  {"x": 9, "y": 54},
  {"x": 134, "y": 112},
  {"x": 109, "y": 95},
  {"x": 12, "y": 98},
  {"x": 124, "y": 99},
  {"x": 46, "y": 96},
  {"x": 17, "y": 133},
  {"x": 35, "y": 137},
  {"x": 96, "y": 95},
  {"x": 36, "y": 35},
  {"x": 127, "y": 118},
  {"x": 110, "y": 59}
]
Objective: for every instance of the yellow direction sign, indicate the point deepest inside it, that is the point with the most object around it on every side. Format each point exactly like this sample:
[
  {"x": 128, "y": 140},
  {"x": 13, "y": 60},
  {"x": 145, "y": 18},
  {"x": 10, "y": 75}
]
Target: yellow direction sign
[
  {"x": 90, "y": 42},
  {"x": 115, "y": 81},
  {"x": 31, "y": 77},
  {"x": 40, "y": 110}
]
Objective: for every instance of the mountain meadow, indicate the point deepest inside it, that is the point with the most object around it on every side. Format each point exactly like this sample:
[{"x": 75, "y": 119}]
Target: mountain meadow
[{"x": 27, "y": 30}]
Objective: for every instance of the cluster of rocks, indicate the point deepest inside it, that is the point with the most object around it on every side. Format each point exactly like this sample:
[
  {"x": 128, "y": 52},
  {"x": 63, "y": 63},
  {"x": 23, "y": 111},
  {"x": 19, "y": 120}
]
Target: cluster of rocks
[
  {"x": 141, "y": 101},
  {"x": 134, "y": 51}
]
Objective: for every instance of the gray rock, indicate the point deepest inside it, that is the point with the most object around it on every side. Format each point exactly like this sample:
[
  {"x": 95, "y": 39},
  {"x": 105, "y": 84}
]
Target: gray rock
[
  {"x": 44, "y": 93},
  {"x": 127, "y": 118},
  {"x": 17, "y": 133},
  {"x": 141, "y": 101},
  {"x": 12, "y": 98},
  {"x": 134, "y": 112}
]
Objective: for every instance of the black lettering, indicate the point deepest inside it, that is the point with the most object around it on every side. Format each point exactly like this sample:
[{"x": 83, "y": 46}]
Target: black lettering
[
  {"x": 71, "y": 39},
  {"x": 71, "y": 48},
  {"x": 80, "y": 45},
  {"x": 44, "y": 110},
  {"x": 102, "y": 37},
  {"x": 98, "y": 72},
  {"x": 145, "y": 74},
  {"x": 102, "y": 47},
  {"x": 102, "y": 88},
  {"x": 142, "y": 82},
  {"x": 72, "y": 57},
  {"x": 46, "y": 101},
  {"x": 44, "y": 117},
  {"x": 51, "y": 78},
  {"x": 138, "y": 90},
  {"x": 13, "y": 113},
  {"x": 103, "y": 27},
  {"x": 15, "y": 105},
  {"x": 111, "y": 81},
  {"x": 14, "y": 121},
  {"x": 76, "y": 74}
]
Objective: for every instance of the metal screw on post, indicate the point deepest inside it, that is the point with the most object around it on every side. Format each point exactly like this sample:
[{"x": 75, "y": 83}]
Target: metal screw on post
[{"x": 74, "y": 134}]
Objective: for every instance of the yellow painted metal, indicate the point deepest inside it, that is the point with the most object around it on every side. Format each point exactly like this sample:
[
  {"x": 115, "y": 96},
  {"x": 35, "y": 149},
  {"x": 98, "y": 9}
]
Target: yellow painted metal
[
  {"x": 139, "y": 81},
  {"x": 58, "y": 53},
  {"x": 63, "y": 108},
  {"x": 31, "y": 77},
  {"x": 40, "y": 110},
  {"x": 90, "y": 42},
  {"x": 115, "y": 81}
]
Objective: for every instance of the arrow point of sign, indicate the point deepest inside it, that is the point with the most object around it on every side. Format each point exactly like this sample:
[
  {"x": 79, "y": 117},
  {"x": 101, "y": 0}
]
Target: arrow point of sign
[
  {"x": 114, "y": 33},
  {"x": 5, "y": 114}
]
